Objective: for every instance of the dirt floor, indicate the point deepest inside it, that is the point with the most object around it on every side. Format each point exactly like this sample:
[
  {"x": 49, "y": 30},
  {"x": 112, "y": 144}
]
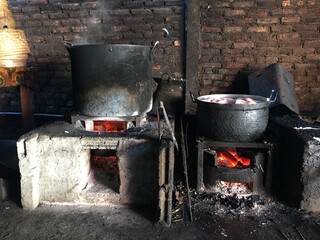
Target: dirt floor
[{"x": 215, "y": 216}]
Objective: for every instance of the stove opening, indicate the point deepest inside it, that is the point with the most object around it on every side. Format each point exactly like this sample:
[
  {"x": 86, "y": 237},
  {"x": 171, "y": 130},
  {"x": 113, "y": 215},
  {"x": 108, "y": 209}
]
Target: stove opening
[
  {"x": 233, "y": 170},
  {"x": 228, "y": 159},
  {"x": 104, "y": 171},
  {"x": 109, "y": 126},
  {"x": 104, "y": 161}
]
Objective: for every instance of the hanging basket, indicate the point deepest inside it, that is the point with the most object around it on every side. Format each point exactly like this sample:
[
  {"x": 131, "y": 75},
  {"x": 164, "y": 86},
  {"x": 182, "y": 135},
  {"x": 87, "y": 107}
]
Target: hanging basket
[{"x": 13, "y": 42}]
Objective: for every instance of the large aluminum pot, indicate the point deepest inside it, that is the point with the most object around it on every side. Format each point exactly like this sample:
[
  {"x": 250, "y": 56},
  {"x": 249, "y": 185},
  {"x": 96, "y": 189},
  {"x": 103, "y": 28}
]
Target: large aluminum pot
[
  {"x": 232, "y": 122},
  {"x": 111, "y": 79}
]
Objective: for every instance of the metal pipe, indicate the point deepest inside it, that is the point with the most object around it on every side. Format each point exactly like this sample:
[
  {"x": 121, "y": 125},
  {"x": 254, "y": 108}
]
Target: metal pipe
[{"x": 35, "y": 114}]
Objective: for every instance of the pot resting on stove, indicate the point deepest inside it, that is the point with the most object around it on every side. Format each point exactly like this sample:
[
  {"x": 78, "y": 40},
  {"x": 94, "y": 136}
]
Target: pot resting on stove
[
  {"x": 111, "y": 79},
  {"x": 232, "y": 117}
]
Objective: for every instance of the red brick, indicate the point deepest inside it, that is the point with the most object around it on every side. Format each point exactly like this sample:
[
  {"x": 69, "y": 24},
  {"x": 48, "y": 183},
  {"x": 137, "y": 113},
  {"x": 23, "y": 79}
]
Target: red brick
[
  {"x": 162, "y": 11},
  {"x": 269, "y": 20},
  {"x": 304, "y": 27},
  {"x": 70, "y": 22},
  {"x": 258, "y": 29},
  {"x": 243, "y": 45},
  {"x": 290, "y": 20},
  {"x": 281, "y": 28},
  {"x": 260, "y": 13},
  {"x": 232, "y": 29},
  {"x": 292, "y": 43},
  {"x": 60, "y": 29},
  {"x": 141, "y": 12},
  {"x": 246, "y": 4},
  {"x": 30, "y": 9},
  {"x": 312, "y": 43},
  {"x": 282, "y": 11},
  {"x": 90, "y": 5},
  {"x": 219, "y": 4},
  {"x": 210, "y": 29},
  {"x": 291, "y": 59},
  {"x": 211, "y": 65},
  {"x": 38, "y": 1},
  {"x": 244, "y": 59},
  {"x": 38, "y": 16},
  {"x": 58, "y": 15},
  {"x": 33, "y": 24},
  {"x": 206, "y": 82},
  {"x": 235, "y": 65},
  {"x": 313, "y": 57},
  {"x": 305, "y": 66},
  {"x": 70, "y": 6},
  {"x": 232, "y": 51},
  {"x": 312, "y": 2},
  {"x": 289, "y": 36},
  {"x": 236, "y": 12},
  {"x": 303, "y": 50},
  {"x": 120, "y": 12},
  {"x": 245, "y": 21}
]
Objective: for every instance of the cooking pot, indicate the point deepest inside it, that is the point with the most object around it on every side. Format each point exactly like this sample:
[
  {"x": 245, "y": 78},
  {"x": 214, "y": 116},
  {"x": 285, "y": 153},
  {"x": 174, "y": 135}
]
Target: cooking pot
[
  {"x": 112, "y": 79},
  {"x": 232, "y": 122}
]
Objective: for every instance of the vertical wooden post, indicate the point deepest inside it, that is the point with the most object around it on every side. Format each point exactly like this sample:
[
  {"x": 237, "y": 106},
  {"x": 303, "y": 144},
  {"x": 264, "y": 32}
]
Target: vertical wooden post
[
  {"x": 26, "y": 99},
  {"x": 192, "y": 51}
]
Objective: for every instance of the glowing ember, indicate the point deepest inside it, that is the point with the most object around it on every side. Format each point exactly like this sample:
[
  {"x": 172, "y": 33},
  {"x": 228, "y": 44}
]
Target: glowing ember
[
  {"x": 109, "y": 126},
  {"x": 231, "y": 158},
  {"x": 231, "y": 188},
  {"x": 106, "y": 164}
]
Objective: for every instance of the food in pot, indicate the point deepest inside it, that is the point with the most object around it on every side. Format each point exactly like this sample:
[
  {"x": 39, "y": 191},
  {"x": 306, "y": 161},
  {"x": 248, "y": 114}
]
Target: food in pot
[{"x": 229, "y": 100}]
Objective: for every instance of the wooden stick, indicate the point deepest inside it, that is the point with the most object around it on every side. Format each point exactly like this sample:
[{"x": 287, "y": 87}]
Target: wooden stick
[{"x": 185, "y": 169}]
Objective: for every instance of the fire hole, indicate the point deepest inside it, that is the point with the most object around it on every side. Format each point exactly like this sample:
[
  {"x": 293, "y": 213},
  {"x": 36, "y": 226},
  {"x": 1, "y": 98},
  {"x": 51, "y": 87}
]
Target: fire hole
[
  {"x": 232, "y": 159},
  {"x": 109, "y": 126},
  {"x": 104, "y": 161}
]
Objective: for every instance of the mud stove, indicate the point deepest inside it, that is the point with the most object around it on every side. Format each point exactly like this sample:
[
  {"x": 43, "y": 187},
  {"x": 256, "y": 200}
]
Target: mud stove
[{"x": 63, "y": 163}]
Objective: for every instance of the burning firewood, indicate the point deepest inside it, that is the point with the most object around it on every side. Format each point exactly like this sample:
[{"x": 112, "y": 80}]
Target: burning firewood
[{"x": 231, "y": 158}]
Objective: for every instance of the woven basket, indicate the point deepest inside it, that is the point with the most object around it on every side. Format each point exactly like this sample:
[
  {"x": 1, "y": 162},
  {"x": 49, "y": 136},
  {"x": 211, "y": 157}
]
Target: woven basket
[
  {"x": 3, "y": 4},
  {"x": 6, "y": 19},
  {"x": 13, "y": 42}
]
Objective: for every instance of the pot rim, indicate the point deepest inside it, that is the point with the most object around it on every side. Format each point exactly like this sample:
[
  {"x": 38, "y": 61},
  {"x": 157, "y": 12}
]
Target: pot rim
[
  {"x": 262, "y": 102},
  {"x": 107, "y": 44}
]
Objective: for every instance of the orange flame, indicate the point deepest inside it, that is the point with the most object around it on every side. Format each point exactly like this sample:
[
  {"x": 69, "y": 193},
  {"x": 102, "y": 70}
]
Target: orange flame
[{"x": 231, "y": 158}]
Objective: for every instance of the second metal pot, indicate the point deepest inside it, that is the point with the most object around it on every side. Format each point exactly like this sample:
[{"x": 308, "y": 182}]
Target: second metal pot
[{"x": 232, "y": 122}]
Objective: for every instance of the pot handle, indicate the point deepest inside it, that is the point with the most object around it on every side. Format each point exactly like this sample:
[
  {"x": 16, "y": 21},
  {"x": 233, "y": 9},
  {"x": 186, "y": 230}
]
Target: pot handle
[
  {"x": 153, "y": 49},
  {"x": 68, "y": 45},
  {"x": 192, "y": 97},
  {"x": 273, "y": 96}
]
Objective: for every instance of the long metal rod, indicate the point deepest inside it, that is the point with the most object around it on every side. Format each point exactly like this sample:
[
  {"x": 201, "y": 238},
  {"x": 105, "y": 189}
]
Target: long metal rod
[
  {"x": 185, "y": 169},
  {"x": 161, "y": 105}
]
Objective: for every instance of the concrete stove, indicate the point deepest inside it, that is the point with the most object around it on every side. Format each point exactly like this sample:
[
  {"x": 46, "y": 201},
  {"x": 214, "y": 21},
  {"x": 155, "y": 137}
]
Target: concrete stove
[{"x": 55, "y": 166}]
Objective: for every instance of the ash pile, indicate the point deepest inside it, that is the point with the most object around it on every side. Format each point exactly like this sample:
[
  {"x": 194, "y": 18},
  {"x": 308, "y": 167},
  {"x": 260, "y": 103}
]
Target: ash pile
[{"x": 222, "y": 200}]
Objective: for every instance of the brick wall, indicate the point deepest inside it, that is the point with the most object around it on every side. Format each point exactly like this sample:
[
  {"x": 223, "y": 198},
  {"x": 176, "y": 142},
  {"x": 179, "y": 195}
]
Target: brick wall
[
  {"x": 239, "y": 37},
  {"x": 49, "y": 24}
]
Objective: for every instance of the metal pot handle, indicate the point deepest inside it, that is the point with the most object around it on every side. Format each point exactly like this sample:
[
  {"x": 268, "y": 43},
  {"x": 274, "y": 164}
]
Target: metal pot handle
[
  {"x": 192, "y": 97},
  {"x": 273, "y": 96},
  {"x": 68, "y": 45},
  {"x": 153, "y": 49}
]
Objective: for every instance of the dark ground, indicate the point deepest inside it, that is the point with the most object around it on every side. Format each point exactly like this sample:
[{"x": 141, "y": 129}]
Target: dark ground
[{"x": 214, "y": 217}]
